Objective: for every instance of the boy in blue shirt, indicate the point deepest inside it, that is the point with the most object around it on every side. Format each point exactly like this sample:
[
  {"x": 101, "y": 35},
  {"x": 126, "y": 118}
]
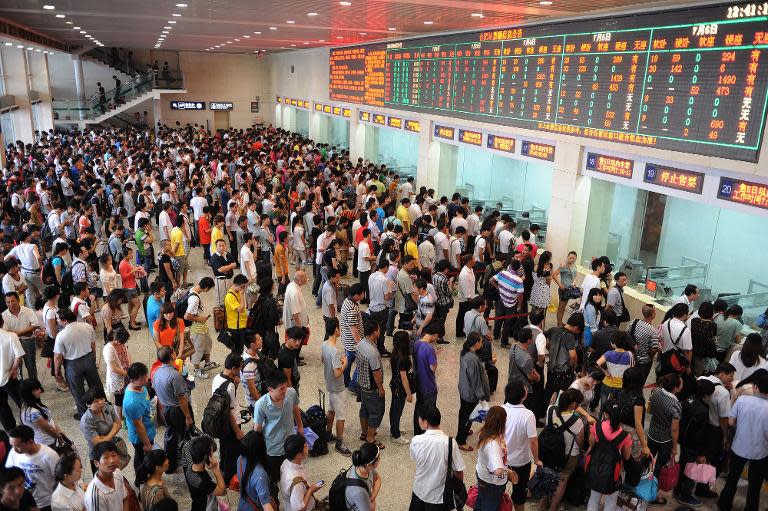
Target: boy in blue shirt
[{"x": 137, "y": 410}]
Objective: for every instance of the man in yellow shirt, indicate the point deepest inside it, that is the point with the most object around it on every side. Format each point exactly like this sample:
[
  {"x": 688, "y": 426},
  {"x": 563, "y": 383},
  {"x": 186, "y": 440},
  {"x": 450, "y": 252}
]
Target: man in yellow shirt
[
  {"x": 217, "y": 233},
  {"x": 177, "y": 249},
  {"x": 236, "y": 312},
  {"x": 402, "y": 214}
]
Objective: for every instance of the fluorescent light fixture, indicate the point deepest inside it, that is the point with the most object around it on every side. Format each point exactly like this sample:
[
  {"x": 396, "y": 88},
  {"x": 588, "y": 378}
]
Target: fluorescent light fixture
[
  {"x": 321, "y": 40},
  {"x": 167, "y": 28},
  {"x": 545, "y": 2},
  {"x": 273, "y": 28},
  {"x": 339, "y": 37},
  {"x": 8, "y": 44},
  {"x": 38, "y": 50},
  {"x": 293, "y": 45},
  {"x": 257, "y": 33},
  {"x": 392, "y": 29},
  {"x": 30, "y": 48},
  {"x": 247, "y": 36},
  {"x": 68, "y": 22},
  {"x": 311, "y": 14},
  {"x": 49, "y": 7},
  {"x": 304, "y": 43},
  {"x": 75, "y": 28},
  {"x": 171, "y": 22},
  {"x": 165, "y": 32},
  {"x": 21, "y": 46},
  {"x": 345, "y": 4},
  {"x": 83, "y": 32},
  {"x": 176, "y": 15},
  {"x": 61, "y": 16},
  {"x": 429, "y": 22},
  {"x": 290, "y": 22},
  {"x": 477, "y": 14},
  {"x": 181, "y": 5}
]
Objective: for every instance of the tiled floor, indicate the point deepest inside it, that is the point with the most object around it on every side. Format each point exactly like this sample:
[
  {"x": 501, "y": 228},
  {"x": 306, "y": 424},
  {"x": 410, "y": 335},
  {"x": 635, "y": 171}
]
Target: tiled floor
[{"x": 396, "y": 467}]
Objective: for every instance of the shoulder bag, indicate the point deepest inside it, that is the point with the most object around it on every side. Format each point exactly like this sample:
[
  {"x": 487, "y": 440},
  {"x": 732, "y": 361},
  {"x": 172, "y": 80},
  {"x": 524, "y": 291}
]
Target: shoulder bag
[{"x": 454, "y": 492}]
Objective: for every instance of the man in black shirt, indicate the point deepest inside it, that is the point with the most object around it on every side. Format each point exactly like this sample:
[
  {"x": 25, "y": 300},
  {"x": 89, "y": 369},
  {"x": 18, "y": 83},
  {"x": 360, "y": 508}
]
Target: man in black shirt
[
  {"x": 288, "y": 355},
  {"x": 166, "y": 273},
  {"x": 223, "y": 265},
  {"x": 202, "y": 487}
]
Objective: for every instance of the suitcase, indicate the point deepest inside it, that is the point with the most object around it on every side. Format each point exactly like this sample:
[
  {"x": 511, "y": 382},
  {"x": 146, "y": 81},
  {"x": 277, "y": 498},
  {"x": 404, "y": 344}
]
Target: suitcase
[{"x": 218, "y": 318}]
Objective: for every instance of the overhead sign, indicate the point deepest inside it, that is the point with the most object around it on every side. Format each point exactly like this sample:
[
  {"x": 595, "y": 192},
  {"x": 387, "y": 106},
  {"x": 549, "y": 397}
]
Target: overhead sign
[
  {"x": 379, "y": 119},
  {"x": 365, "y": 116},
  {"x": 255, "y": 107},
  {"x": 499, "y": 143},
  {"x": 743, "y": 192},
  {"x": 318, "y": 107},
  {"x": 537, "y": 150},
  {"x": 221, "y": 105},
  {"x": 187, "y": 105},
  {"x": 686, "y": 180},
  {"x": 327, "y": 109},
  {"x": 445, "y": 132},
  {"x": 611, "y": 165},
  {"x": 346, "y": 112},
  {"x": 414, "y": 126},
  {"x": 395, "y": 122},
  {"x": 337, "y": 110},
  {"x": 471, "y": 137}
]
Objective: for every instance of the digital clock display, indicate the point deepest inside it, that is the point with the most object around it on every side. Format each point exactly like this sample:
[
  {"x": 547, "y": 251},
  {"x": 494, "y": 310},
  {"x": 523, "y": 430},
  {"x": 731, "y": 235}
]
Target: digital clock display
[{"x": 693, "y": 80}]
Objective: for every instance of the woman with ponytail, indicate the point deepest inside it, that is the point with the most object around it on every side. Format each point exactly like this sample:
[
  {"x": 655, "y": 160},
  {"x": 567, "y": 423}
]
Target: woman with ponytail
[
  {"x": 473, "y": 386},
  {"x": 611, "y": 428},
  {"x": 365, "y": 462},
  {"x": 149, "y": 477},
  {"x": 255, "y": 486}
]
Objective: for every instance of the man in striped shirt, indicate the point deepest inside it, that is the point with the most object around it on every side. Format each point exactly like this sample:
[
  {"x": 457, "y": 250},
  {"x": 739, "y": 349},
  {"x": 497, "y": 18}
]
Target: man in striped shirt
[
  {"x": 510, "y": 286},
  {"x": 351, "y": 327}
]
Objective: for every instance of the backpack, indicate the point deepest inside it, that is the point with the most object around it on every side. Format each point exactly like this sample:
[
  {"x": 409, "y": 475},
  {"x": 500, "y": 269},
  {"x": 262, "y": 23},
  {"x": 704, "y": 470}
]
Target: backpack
[
  {"x": 552, "y": 441},
  {"x": 216, "y": 414},
  {"x": 337, "y": 498},
  {"x": 673, "y": 360},
  {"x": 264, "y": 366},
  {"x": 604, "y": 462},
  {"x": 181, "y": 307},
  {"x": 67, "y": 281},
  {"x": 45, "y": 233},
  {"x": 48, "y": 273}
]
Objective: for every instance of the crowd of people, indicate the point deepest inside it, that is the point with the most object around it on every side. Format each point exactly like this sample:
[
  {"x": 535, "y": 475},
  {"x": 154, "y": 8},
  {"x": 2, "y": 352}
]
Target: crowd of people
[{"x": 99, "y": 232}]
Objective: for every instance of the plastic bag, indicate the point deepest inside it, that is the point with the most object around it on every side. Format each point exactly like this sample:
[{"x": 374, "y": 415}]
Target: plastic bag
[
  {"x": 480, "y": 411},
  {"x": 668, "y": 476},
  {"x": 700, "y": 473}
]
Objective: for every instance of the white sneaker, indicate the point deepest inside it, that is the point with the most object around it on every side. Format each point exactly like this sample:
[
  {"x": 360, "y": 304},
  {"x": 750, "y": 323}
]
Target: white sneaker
[
  {"x": 199, "y": 373},
  {"x": 210, "y": 365},
  {"x": 400, "y": 440}
]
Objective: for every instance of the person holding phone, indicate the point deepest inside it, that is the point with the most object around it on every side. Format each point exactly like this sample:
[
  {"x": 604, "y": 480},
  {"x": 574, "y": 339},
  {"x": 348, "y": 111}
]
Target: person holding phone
[
  {"x": 296, "y": 493},
  {"x": 203, "y": 489}
]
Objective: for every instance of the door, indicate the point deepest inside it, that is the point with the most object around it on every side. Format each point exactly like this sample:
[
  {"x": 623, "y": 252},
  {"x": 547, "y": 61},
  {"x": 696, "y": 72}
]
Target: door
[
  {"x": 220, "y": 120},
  {"x": 652, "y": 224}
]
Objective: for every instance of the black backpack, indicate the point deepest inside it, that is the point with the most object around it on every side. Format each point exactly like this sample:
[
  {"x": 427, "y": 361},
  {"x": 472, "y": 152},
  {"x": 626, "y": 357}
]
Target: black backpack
[
  {"x": 49, "y": 273},
  {"x": 604, "y": 462},
  {"x": 337, "y": 498},
  {"x": 265, "y": 366},
  {"x": 181, "y": 307},
  {"x": 216, "y": 414},
  {"x": 552, "y": 441},
  {"x": 67, "y": 281}
]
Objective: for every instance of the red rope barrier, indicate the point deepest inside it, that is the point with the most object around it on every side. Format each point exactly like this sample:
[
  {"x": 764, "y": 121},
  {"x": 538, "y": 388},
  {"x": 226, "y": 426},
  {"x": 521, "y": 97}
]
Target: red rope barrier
[{"x": 508, "y": 316}]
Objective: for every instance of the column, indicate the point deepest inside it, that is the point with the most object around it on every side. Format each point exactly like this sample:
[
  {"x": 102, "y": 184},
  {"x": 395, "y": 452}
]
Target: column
[
  {"x": 157, "y": 108},
  {"x": 77, "y": 66},
  {"x": 362, "y": 141},
  {"x": 278, "y": 115},
  {"x": 442, "y": 161},
  {"x": 568, "y": 207},
  {"x": 17, "y": 85},
  {"x": 40, "y": 84}
]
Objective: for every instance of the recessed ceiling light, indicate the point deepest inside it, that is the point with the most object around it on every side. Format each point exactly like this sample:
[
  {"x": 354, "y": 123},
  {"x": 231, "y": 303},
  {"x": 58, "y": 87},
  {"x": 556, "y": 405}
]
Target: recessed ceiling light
[
  {"x": 30, "y": 48},
  {"x": 247, "y": 36},
  {"x": 176, "y": 14},
  {"x": 171, "y": 22},
  {"x": 38, "y": 50},
  {"x": 477, "y": 14},
  {"x": 83, "y": 32},
  {"x": 165, "y": 32},
  {"x": 181, "y": 5},
  {"x": 321, "y": 41},
  {"x": 306, "y": 43},
  {"x": 61, "y": 16},
  {"x": 49, "y": 7},
  {"x": 229, "y": 42},
  {"x": 293, "y": 45},
  {"x": 257, "y": 32},
  {"x": 345, "y": 4},
  {"x": 8, "y": 44},
  {"x": 290, "y": 22},
  {"x": 311, "y": 14},
  {"x": 207, "y": 49},
  {"x": 363, "y": 33},
  {"x": 392, "y": 29},
  {"x": 339, "y": 37},
  {"x": 429, "y": 22},
  {"x": 20, "y": 46},
  {"x": 75, "y": 28},
  {"x": 545, "y": 2},
  {"x": 168, "y": 28},
  {"x": 273, "y": 28},
  {"x": 68, "y": 22}
]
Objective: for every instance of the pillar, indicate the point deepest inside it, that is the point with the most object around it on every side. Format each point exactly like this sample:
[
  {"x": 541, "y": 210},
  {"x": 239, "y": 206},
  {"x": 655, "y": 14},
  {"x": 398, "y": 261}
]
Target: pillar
[
  {"x": 40, "y": 83},
  {"x": 362, "y": 140},
  {"x": 77, "y": 66},
  {"x": 278, "y": 115},
  {"x": 17, "y": 85},
  {"x": 157, "y": 108},
  {"x": 442, "y": 161}
]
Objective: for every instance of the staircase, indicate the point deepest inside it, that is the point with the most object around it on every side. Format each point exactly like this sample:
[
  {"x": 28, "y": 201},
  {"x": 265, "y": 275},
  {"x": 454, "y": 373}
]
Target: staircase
[{"x": 104, "y": 58}]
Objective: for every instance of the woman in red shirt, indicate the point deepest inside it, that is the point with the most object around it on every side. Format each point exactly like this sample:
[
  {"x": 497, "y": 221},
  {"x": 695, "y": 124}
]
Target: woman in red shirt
[
  {"x": 128, "y": 275},
  {"x": 168, "y": 329}
]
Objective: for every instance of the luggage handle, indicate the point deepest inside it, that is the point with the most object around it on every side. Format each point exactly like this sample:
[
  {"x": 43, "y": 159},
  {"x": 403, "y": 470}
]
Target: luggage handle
[{"x": 321, "y": 398}]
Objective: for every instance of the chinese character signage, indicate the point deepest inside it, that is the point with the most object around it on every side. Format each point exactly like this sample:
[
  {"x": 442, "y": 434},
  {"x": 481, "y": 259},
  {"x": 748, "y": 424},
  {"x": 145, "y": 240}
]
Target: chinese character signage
[
  {"x": 395, "y": 122},
  {"x": 471, "y": 137},
  {"x": 610, "y": 165},
  {"x": 537, "y": 150},
  {"x": 327, "y": 109},
  {"x": 337, "y": 110},
  {"x": 414, "y": 126},
  {"x": 187, "y": 105},
  {"x": 743, "y": 192},
  {"x": 221, "y": 105},
  {"x": 318, "y": 107},
  {"x": 346, "y": 112},
  {"x": 678, "y": 179},
  {"x": 365, "y": 116},
  {"x": 379, "y": 119},
  {"x": 445, "y": 132},
  {"x": 505, "y": 144}
]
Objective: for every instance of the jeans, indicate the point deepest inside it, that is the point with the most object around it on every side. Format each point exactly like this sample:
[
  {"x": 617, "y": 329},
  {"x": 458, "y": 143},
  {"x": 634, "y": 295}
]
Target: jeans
[
  {"x": 138, "y": 455},
  {"x": 381, "y": 318},
  {"x": 509, "y": 323},
  {"x": 463, "y": 308},
  {"x": 758, "y": 471},
  {"x": 10, "y": 389},
  {"x": 395, "y": 412},
  {"x": 391, "y": 321},
  {"x": 323, "y": 278},
  {"x": 465, "y": 410},
  {"x": 175, "y": 426},
  {"x": 229, "y": 446},
  {"x": 488, "y": 496},
  {"x": 78, "y": 372},
  {"x": 364, "y": 277},
  {"x": 594, "y": 501},
  {"x": 30, "y": 350},
  {"x": 146, "y": 262},
  {"x": 272, "y": 466},
  {"x": 34, "y": 287},
  {"x": 421, "y": 400},
  {"x": 350, "y": 381}
]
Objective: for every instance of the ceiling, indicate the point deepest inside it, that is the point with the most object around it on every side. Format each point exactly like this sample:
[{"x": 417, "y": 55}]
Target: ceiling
[{"x": 251, "y": 25}]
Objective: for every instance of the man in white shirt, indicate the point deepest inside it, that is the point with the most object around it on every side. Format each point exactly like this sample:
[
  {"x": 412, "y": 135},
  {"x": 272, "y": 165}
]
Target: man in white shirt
[
  {"x": 473, "y": 221},
  {"x": 229, "y": 443},
  {"x": 466, "y": 292},
  {"x": 80, "y": 307},
  {"x": 430, "y": 452},
  {"x": 164, "y": 224},
  {"x": 442, "y": 242},
  {"x": 11, "y": 357},
  {"x": 197, "y": 203},
  {"x": 690, "y": 295},
  {"x": 294, "y": 306},
  {"x": 457, "y": 248},
  {"x": 522, "y": 442},
  {"x": 364, "y": 261},
  {"x": 74, "y": 350},
  {"x": 109, "y": 489},
  {"x": 506, "y": 237},
  {"x": 29, "y": 256},
  {"x": 718, "y": 435},
  {"x": 674, "y": 333},
  {"x": 591, "y": 281},
  {"x": 248, "y": 264},
  {"x": 23, "y": 322},
  {"x": 37, "y": 461}
]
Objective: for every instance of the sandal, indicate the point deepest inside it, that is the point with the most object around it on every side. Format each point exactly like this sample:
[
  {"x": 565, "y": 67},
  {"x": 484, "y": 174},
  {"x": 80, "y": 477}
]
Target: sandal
[
  {"x": 660, "y": 501},
  {"x": 467, "y": 448},
  {"x": 363, "y": 438}
]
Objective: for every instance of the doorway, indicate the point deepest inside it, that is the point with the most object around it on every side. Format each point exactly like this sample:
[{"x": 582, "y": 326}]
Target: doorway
[
  {"x": 220, "y": 120},
  {"x": 652, "y": 224}
]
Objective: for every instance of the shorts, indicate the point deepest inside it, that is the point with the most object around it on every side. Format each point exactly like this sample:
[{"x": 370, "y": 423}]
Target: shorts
[
  {"x": 371, "y": 407},
  {"x": 570, "y": 466},
  {"x": 119, "y": 398},
  {"x": 202, "y": 344},
  {"x": 520, "y": 490},
  {"x": 337, "y": 403},
  {"x": 183, "y": 265},
  {"x": 131, "y": 293}
]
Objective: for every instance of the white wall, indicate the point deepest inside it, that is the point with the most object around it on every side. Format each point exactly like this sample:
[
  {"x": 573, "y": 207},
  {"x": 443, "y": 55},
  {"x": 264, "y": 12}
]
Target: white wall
[
  {"x": 309, "y": 79},
  {"x": 62, "y": 74}
]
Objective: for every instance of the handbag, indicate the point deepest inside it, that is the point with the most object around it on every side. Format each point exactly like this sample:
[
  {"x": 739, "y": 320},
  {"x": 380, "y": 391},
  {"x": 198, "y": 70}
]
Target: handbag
[
  {"x": 189, "y": 348},
  {"x": 647, "y": 488},
  {"x": 700, "y": 473},
  {"x": 587, "y": 337},
  {"x": 64, "y": 446},
  {"x": 454, "y": 492},
  {"x": 122, "y": 452},
  {"x": 668, "y": 476},
  {"x": 47, "y": 350}
]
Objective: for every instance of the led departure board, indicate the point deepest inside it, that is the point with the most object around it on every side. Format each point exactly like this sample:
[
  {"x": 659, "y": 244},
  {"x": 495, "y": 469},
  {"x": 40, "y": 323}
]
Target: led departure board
[
  {"x": 662, "y": 175},
  {"x": 537, "y": 150},
  {"x": 414, "y": 126},
  {"x": 692, "y": 80},
  {"x": 499, "y": 143},
  {"x": 395, "y": 122},
  {"x": 471, "y": 137},
  {"x": 743, "y": 192},
  {"x": 445, "y": 132},
  {"x": 611, "y": 165}
]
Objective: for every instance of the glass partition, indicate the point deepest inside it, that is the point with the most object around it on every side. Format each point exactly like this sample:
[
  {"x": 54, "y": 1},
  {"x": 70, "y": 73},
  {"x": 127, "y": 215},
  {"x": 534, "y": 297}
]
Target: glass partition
[
  {"x": 302, "y": 121},
  {"x": 338, "y": 132},
  {"x": 673, "y": 242},
  {"x": 398, "y": 150}
]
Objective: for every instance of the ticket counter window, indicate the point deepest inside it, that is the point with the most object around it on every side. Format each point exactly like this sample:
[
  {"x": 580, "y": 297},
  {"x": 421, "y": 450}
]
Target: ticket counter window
[
  {"x": 520, "y": 186},
  {"x": 675, "y": 242},
  {"x": 302, "y": 121},
  {"x": 338, "y": 132},
  {"x": 398, "y": 150}
]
